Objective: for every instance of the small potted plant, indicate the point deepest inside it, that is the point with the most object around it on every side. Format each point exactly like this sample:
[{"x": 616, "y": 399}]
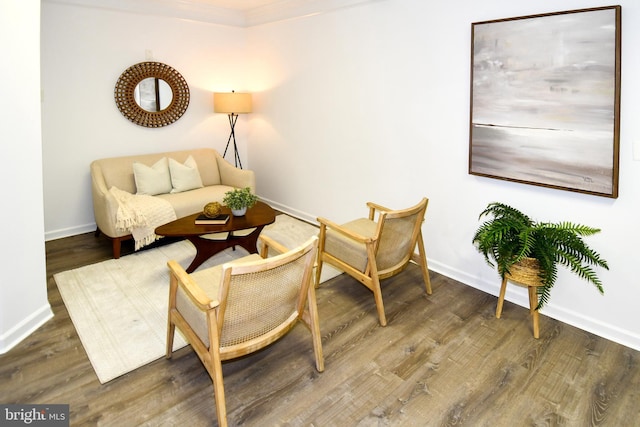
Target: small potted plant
[
  {"x": 239, "y": 200},
  {"x": 513, "y": 240}
]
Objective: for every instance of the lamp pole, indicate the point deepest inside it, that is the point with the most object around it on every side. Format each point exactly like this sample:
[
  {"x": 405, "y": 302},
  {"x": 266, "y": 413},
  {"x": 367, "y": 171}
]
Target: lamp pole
[{"x": 233, "y": 118}]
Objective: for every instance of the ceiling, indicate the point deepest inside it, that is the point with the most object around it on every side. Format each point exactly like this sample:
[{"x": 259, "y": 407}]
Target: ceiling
[
  {"x": 242, "y": 5},
  {"x": 242, "y": 13}
]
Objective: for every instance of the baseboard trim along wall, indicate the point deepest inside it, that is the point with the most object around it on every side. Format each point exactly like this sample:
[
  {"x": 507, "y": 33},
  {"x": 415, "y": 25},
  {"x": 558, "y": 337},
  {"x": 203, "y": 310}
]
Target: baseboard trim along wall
[
  {"x": 22, "y": 330},
  {"x": 68, "y": 232},
  {"x": 518, "y": 295}
]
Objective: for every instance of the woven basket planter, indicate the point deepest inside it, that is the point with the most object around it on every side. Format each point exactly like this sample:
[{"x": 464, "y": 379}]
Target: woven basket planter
[{"x": 525, "y": 272}]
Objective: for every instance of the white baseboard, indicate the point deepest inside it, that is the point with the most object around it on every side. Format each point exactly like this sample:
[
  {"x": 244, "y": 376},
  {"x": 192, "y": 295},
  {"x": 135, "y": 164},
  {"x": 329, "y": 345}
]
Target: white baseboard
[
  {"x": 519, "y": 296},
  {"x": 304, "y": 216},
  {"x": 71, "y": 231},
  {"x": 22, "y": 330}
]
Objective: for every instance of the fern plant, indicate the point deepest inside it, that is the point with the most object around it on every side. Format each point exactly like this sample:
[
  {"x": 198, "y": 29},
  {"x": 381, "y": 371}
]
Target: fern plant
[{"x": 509, "y": 235}]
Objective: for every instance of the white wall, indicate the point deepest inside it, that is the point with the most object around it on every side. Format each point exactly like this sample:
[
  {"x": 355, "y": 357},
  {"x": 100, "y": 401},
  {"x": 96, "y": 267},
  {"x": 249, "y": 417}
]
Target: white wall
[
  {"x": 23, "y": 287},
  {"x": 84, "y": 51},
  {"x": 372, "y": 103},
  {"x": 365, "y": 103}
]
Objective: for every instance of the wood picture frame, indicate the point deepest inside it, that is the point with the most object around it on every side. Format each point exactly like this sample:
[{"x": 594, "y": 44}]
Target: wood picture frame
[{"x": 545, "y": 100}]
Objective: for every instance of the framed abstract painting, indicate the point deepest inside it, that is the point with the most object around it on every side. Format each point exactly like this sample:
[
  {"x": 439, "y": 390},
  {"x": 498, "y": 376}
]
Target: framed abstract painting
[{"x": 545, "y": 100}]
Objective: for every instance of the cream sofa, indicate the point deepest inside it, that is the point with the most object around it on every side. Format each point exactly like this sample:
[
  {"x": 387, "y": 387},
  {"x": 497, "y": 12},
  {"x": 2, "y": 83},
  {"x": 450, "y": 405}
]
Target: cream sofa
[{"x": 217, "y": 176}]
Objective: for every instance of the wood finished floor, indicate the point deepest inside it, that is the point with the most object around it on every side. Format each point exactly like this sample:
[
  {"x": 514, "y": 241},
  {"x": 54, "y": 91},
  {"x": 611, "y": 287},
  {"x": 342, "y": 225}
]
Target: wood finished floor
[{"x": 443, "y": 360}]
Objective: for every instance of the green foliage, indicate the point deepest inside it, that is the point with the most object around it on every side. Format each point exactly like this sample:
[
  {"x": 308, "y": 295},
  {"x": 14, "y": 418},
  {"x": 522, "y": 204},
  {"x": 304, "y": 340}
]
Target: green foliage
[
  {"x": 510, "y": 235},
  {"x": 239, "y": 198}
]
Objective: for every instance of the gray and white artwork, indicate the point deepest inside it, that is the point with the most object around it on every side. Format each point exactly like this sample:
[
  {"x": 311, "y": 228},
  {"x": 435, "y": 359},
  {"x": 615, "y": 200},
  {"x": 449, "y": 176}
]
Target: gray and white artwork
[{"x": 544, "y": 100}]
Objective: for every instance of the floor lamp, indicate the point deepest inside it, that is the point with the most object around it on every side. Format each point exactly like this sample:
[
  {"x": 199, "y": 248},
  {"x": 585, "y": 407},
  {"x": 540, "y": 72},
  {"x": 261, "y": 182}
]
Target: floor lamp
[{"x": 232, "y": 104}]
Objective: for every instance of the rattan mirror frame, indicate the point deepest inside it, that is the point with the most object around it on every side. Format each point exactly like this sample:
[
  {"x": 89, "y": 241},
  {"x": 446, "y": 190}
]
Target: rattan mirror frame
[{"x": 126, "y": 85}]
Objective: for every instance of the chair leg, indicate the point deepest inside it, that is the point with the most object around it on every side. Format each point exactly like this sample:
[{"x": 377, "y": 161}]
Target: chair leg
[
  {"x": 372, "y": 281},
  {"x": 321, "y": 238},
  {"x": 533, "y": 303},
  {"x": 503, "y": 289},
  {"x": 316, "y": 284},
  {"x": 377, "y": 295},
  {"x": 171, "y": 329},
  {"x": 214, "y": 367},
  {"x": 314, "y": 326},
  {"x": 423, "y": 264},
  {"x": 218, "y": 392}
]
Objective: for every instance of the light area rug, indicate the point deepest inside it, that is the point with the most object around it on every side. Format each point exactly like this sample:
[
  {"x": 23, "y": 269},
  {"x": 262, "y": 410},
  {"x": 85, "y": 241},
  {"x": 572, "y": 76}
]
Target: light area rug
[{"x": 119, "y": 306}]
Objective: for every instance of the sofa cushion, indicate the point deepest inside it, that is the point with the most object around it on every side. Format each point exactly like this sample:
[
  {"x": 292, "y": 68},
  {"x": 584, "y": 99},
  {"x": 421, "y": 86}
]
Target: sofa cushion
[
  {"x": 152, "y": 180},
  {"x": 185, "y": 176},
  {"x": 190, "y": 202}
]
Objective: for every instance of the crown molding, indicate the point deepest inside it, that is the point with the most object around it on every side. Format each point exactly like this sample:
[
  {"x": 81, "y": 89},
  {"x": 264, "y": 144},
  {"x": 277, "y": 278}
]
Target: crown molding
[
  {"x": 291, "y": 9},
  {"x": 182, "y": 9},
  {"x": 200, "y": 10}
]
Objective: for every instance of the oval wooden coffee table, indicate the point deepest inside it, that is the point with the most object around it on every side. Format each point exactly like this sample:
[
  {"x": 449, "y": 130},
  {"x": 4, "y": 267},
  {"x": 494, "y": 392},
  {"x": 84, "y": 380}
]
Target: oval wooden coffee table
[{"x": 210, "y": 239}]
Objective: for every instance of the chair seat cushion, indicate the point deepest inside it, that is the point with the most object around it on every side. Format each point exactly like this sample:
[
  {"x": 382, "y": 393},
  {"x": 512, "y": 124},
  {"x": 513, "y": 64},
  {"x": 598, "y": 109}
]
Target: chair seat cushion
[
  {"x": 348, "y": 250},
  {"x": 208, "y": 280}
]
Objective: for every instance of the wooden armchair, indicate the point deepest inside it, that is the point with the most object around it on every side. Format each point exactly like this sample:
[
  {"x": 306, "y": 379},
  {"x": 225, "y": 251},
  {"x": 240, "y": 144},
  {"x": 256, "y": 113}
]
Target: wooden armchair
[
  {"x": 239, "y": 307},
  {"x": 370, "y": 251}
]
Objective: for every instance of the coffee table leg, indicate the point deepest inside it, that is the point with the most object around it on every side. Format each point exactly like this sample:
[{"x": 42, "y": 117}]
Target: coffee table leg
[
  {"x": 249, "y": 242},
  {"x": 206, "y": 248}
]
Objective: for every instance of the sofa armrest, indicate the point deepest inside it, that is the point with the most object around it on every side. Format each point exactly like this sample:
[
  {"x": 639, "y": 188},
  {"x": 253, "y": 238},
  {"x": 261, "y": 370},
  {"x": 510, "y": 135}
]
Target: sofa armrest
[
  {"x": 105, "y": 206},
  {"x": 235, "y": 177}
]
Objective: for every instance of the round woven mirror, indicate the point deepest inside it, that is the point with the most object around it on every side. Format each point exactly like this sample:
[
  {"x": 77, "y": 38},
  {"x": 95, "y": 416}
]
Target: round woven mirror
[{"x": 151, "y": 94}]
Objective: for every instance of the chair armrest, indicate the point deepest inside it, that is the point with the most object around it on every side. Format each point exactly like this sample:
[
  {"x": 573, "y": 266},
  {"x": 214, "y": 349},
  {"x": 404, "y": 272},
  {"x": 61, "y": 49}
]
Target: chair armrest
[
  {"x": 373, "y": 207},
  {"x": 324, "y": 223},
  {"x": 378, "y": 207},
  {"x": 268, "y": 242},
  {"x": 235, "y": 177},
  {"x": 191, "y": 288}
]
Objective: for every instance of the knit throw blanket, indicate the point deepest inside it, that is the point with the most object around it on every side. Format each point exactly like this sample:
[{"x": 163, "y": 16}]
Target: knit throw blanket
[{"x": 140, "y": 215}]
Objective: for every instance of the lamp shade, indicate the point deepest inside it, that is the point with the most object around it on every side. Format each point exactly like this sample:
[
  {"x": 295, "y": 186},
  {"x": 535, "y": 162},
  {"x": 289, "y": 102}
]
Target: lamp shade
[{"x": 231, "y": 103}]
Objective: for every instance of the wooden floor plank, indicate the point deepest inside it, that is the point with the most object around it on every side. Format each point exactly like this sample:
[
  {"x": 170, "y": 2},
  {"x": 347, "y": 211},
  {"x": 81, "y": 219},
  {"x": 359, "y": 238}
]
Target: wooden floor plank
[{"x": 443, "y": 359}]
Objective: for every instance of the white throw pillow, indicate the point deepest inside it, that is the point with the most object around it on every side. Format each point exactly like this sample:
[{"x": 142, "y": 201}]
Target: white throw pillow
[
  {"x": 152, "y": 180},
  {"x": 184, "y": 176}
]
